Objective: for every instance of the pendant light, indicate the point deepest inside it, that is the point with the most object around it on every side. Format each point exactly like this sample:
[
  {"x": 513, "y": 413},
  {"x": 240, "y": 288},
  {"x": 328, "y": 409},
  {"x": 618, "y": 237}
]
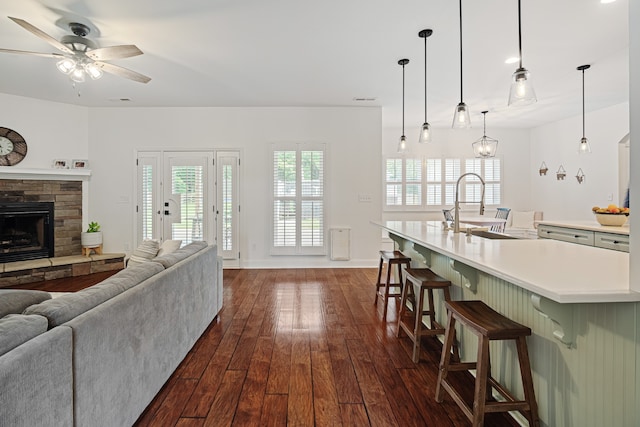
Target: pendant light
[
  {"x": 485, "y": 146},
  {"x": 584, "y": 147},
  {"x": 521, "y": 92},
  {"x": 402, "y": 145},
  {"x": 461, "y": 118},
  {"x": 425, "y": 130}
]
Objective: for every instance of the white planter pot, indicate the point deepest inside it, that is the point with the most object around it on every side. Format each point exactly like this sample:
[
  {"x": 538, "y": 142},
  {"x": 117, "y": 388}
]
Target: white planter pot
[{"x": 91, "y": 240}]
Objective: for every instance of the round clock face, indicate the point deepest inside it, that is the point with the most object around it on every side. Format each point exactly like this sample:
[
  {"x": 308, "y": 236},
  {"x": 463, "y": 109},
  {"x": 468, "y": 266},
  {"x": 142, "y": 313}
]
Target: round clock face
[{"x": 13, "y": 147}]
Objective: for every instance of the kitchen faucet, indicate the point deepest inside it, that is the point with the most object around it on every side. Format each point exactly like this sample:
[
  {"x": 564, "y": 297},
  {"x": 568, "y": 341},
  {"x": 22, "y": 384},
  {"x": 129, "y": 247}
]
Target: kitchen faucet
[{"x": 456, "y": 218}]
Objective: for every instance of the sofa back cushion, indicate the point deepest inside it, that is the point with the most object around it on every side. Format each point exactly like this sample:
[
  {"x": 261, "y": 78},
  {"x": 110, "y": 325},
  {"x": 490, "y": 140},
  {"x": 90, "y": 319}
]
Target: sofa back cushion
[
  {"x": 62, "y": 309},
  {"x": 16, "y": 329},
  {"x": 173, "y": 258},
  {"x": 14, "y": 301}
]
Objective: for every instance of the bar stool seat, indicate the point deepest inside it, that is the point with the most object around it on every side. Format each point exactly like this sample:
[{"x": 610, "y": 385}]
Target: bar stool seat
[
  {"x": 383, "y": 290},
  {"x": 418, "y": 282},
  {"x": 488, "y": 325}
]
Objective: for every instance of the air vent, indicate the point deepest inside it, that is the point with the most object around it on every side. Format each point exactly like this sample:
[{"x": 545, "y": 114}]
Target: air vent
[{"x": 364, "y": 99}]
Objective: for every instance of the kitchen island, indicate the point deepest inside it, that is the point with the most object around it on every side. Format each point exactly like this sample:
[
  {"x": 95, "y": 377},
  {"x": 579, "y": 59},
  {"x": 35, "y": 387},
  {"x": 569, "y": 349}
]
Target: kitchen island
[{"x": 585, "y": 347}]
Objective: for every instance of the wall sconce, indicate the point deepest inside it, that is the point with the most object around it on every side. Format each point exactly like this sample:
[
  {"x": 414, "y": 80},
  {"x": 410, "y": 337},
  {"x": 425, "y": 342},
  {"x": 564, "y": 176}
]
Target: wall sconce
[
  {"x": 543, "y": 169},
  {"x": 561, "y": 173},
  {"x": 580, "y": 176}
]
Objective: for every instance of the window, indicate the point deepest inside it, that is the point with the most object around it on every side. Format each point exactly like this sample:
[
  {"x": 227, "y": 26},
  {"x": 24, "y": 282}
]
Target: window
[
  {"x": 298, "y": 199},
  {"x": 430, "y": 183}
]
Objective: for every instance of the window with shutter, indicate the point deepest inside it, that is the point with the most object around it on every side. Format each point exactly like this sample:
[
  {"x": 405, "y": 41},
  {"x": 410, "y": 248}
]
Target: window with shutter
[{"x": 298, "y": 226}]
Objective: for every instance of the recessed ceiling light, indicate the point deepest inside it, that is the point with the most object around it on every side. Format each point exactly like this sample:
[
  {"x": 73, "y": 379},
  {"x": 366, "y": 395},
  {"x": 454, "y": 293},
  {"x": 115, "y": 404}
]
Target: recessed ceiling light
[
  {"x": 606, "y": 1},
  {"x": 512, "y": 60}
]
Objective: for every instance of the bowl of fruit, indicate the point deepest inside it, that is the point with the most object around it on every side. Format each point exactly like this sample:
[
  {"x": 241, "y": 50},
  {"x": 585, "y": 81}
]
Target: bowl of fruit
[{"x": 612, "y": 215}]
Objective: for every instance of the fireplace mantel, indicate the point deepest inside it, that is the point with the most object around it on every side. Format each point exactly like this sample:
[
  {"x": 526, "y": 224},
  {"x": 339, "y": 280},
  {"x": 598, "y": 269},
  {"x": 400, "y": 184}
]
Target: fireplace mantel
[{"x": 9, "y": 172}]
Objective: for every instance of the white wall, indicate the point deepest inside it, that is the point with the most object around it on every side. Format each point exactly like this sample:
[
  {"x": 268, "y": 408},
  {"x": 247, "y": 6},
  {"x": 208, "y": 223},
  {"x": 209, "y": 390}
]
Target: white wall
[
  {"x": 513, "y": 149},
  {"x": 52, "y": 130},
  {"x": 350, "y": 134},
  {"x": 557, "y": 144}
]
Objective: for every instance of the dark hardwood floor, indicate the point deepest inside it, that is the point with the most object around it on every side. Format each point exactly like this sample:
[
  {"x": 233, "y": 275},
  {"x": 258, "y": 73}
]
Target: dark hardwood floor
[{"x": 305, "y": 347}]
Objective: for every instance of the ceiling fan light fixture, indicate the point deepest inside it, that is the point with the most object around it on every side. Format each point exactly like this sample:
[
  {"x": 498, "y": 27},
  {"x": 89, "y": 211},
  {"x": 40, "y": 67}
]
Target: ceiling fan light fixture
[
  {"x": 93, "y": 70},
  {"x": 77, "y": 75},
  {"x": 66, "y": 65}
]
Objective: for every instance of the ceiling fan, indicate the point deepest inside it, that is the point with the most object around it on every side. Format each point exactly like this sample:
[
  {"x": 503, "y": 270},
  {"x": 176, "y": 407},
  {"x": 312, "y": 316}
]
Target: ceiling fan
[{"x": 81, "y": 55}]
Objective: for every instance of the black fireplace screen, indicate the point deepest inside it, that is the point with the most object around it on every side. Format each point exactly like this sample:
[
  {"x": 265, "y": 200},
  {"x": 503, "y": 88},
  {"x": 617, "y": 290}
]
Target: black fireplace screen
[{"x": 26, "y": 231}]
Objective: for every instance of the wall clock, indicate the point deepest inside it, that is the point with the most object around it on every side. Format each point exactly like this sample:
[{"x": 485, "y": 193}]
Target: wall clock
[{"x": 13, "y": 147}]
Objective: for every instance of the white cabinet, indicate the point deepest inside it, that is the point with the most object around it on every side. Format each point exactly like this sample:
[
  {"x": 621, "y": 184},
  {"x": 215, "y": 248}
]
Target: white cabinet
[{"x": 615, "y": 241}]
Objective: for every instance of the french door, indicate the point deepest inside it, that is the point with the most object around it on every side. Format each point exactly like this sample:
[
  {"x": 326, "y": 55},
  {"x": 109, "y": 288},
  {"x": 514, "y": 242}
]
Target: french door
[
  {"x": 228, "y": 206},
  {"x": 185, "y": 195}
]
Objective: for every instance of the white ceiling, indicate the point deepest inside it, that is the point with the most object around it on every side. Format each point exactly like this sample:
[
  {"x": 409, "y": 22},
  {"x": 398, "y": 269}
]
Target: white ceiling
[{"x": 326, "y": 53}]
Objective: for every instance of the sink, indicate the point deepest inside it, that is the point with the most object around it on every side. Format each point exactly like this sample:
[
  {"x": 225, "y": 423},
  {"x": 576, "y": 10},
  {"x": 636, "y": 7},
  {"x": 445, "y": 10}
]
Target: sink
[{"x": 491, "y": 235}]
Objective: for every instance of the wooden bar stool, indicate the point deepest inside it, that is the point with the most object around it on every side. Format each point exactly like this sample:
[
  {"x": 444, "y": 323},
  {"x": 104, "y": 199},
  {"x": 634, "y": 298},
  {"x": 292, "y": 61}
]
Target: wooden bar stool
[
  {"x": 418, "y": 282},
  {"x": 391, "y": 258},
  {"x": 488, "y": 325}
]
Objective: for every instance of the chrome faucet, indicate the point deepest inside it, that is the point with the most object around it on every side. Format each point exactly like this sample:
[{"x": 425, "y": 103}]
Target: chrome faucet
[{"x": 456, "y": 218}]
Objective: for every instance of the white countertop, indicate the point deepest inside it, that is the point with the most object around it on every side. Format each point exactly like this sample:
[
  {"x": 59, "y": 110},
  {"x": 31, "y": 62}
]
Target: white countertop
[
  {"x": 561, "y": 271},
  {"x": 590, "y": 225}
]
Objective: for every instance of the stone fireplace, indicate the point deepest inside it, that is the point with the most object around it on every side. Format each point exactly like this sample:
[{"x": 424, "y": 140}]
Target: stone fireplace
[{"x": 66, "y": 197}]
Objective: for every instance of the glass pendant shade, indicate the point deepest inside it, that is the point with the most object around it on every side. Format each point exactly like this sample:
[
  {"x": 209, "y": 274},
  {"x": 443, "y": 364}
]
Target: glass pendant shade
[
  {"x": 584, "y": 147},
  {"x": 521, "y": 92},
  {"x": 402, "y": 144},
  {"x": 461, "y": 117},
  {"x": 425, "y": 133},
  {"x": 77, "y": 75},
  {"x": 93, "y": 70}
]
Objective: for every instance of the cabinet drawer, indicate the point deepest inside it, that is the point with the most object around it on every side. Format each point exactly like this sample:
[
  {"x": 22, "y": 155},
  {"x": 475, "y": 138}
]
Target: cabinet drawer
[
  {"x": 618, "y": 242},
  {"x": 571, "y": 235}
]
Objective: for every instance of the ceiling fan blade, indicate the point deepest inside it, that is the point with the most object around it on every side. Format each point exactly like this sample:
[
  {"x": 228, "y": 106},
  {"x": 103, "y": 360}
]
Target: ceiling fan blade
[
  {"x": 26, "y": 52},
  {"x": 123, "y": 72},
  {"x": 114, "y": 52},
  {"x": 44, "y": 36}
]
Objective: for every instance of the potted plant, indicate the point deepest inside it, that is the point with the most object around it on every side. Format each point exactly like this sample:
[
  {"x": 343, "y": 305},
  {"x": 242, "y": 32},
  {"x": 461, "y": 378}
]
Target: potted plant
[{"x": 91, "y": 238}]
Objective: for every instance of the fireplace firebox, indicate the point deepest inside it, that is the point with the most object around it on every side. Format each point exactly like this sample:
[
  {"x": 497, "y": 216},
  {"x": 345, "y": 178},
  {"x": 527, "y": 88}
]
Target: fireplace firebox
[{"x": 26, "y": 231}]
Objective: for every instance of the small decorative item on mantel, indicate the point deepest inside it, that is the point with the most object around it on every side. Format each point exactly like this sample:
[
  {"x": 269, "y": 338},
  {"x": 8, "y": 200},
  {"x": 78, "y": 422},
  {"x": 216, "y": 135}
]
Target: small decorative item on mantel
[
  {"x": 580, "y": 176},
  {"x": 91, "y": 239},
  {"x": 543, "y": 169},
  {"x": 561, "y": 174}
]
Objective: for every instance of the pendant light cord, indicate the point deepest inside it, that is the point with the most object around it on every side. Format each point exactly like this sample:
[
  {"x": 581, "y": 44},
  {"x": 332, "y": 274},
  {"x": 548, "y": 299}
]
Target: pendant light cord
[
  {"x": 425, "y": 79},
  {"x": 519, "y": 34},
  {"x": 403, "y": 99},
  {"x": 583, "y": 103},
  {"x": 461, "y": 97}
]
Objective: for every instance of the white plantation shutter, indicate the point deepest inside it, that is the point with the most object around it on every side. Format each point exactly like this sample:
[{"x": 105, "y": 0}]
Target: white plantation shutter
[
  {"x": 188, "y": 184},
  {"x": 298, "y": 199},
  {"x": 393, "y": 185},
  {"x": 147, "y": 203},
  {"x": 413, "y": 179},
  {"x": 408, "y": 186}
]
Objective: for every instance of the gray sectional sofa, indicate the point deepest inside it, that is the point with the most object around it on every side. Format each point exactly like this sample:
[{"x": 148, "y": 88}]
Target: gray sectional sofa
[{"x": 98, "y": 357}]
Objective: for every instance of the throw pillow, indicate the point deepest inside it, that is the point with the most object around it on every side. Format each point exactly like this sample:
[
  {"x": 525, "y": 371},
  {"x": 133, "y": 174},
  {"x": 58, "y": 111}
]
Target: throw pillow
[
  {"x": 522, "y": 220},
  {"x": 147, "y": 250},
  {"x": 169, "y": 246}
]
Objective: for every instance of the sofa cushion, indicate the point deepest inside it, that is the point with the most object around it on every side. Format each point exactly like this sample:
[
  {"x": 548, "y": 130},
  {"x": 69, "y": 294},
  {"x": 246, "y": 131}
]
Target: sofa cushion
[
  {"x": 172, "y": 258},
  {"x": 169, "y": 246},
  {"x": 14, "y": 301},
  {"x": 147, "y": 250},
  {"x": 16, "y": 329},
  {"x": 522, "y": 219},
  {"x": 61, "y": 310}
]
